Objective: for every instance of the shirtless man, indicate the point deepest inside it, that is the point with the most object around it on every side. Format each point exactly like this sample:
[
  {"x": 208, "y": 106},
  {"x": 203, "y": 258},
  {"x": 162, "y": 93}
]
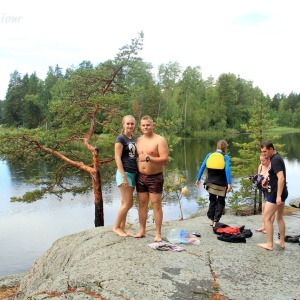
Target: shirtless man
[{"x": 153, "y": 155}]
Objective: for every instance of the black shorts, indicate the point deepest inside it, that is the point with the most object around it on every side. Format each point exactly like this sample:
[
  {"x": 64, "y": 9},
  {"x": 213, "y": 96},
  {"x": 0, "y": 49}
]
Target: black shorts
[{"x": 150, "y": 183}]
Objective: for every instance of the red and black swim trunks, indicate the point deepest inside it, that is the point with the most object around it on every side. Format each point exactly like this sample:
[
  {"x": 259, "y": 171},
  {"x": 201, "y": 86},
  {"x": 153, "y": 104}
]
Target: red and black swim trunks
[{"x": 150, "y": 183}]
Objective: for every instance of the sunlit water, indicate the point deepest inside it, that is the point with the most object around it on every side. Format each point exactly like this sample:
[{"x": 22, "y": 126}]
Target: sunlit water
[{"x": 28, "y": 230}]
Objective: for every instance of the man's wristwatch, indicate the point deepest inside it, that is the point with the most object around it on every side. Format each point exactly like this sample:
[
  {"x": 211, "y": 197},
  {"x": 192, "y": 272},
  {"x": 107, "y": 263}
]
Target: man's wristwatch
[{"x": 147, "y": 158}]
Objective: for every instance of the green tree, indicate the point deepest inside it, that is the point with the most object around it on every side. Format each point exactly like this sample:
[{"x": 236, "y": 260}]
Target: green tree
[
  {"x": 190, "y": 98},
  {"x": 226, "y": 87},
  {"x": 213, "y": 112},
  {"x": 284, "y": 116},
  {"x": 275, "y": 102},
  {"x": 13, "y": 106},
  {"x": 75, "y": 120},
  {"x": 86, "y": 64},
  {"x": 31, "y": 112},
  {"x": 144, "y": 93},
  {"x": 174, "y": 183},
  {"x": 53, "y": 75},
  {"x": 168, "y": 77},
  {"x": 1, "y": 111},
  {"x": 244, "y": 102},
  {"x": 210, "y": 112},
  {"x": 292, "y": 102},
  {"x": 296, "y": 117},
  {"x": 247, "y": 162}
]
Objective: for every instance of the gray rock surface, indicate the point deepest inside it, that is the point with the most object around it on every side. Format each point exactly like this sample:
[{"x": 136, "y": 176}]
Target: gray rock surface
[
  {"x": 98, "y": 264},
  {"x": 295, "y": 202},
  {"x": 11, "y": 280}
]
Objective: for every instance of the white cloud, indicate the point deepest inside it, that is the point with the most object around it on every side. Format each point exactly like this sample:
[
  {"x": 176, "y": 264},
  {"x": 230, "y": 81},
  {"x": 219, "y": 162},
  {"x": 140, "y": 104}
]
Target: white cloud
[{"x": 254, "y": 39}]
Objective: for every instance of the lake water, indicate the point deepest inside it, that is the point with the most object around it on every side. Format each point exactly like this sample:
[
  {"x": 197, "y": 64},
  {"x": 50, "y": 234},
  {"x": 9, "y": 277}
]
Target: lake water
[{"x": 28, "y": 230}]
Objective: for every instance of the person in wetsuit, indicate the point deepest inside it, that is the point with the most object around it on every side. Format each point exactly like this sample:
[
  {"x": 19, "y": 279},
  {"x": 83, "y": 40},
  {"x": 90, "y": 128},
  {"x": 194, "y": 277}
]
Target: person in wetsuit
[{"x": 218, "y": 173}]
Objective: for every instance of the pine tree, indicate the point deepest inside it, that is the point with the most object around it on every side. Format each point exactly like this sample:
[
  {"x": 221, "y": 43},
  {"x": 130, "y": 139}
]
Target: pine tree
[{"x": 248, "y": 161}]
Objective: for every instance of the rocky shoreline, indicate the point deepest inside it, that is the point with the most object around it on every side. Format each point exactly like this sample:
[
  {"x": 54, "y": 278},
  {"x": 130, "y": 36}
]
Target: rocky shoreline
[{"x": 98, "y": 264}]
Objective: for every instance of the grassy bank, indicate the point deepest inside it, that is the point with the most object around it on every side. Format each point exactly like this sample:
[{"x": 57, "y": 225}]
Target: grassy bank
[{"x": 283, "y": 130}]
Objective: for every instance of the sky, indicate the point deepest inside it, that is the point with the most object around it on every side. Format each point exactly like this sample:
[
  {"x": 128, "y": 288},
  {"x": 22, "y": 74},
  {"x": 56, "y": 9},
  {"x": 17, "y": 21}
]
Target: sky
[{"x": 256, "y": 40}]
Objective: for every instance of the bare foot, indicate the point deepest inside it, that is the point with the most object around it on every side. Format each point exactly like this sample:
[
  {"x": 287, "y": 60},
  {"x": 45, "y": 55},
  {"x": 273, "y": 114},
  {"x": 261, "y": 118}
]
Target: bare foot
[
  {"x": 140, "y": 234},
  {"x": 280, "y": 244},
  {"x": 129, "y": 234},
  {"x": 264, "y": 232},
  {"x": 261, "y": 229},
  {"x": 157, "y": 238},
  {"x": 119, "y": 231},
  {"x": 265, "y": 246}
]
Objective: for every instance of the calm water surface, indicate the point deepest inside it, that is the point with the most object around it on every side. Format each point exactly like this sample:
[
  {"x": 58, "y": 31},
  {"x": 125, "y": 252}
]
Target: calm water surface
[{"x": 28, "y": 230}]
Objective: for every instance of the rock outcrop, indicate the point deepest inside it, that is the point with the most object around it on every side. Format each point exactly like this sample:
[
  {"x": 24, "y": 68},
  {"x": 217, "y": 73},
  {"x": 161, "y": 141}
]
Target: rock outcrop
[
  {"x": 295, "y": 203},
  {"x": 98, "y": 264}
]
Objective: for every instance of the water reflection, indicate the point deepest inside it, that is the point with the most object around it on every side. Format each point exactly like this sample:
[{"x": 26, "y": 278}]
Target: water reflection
[
  {"x": 28, "y": 230},
  {"x": 190, "y": 153}
]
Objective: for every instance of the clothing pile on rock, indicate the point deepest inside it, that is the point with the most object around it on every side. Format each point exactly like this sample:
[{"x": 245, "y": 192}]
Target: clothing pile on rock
[
  {"x": 231, "y": 234},
  {"x": 165, "y": 246},
  {"x": 292, "y": 239}
]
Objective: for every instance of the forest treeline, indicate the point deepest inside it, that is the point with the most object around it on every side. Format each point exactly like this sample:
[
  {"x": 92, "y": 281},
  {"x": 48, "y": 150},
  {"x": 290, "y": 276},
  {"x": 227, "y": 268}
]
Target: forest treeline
[
  {"x": 63, "y": 117},
  {"x": 183, "y": 99}
]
